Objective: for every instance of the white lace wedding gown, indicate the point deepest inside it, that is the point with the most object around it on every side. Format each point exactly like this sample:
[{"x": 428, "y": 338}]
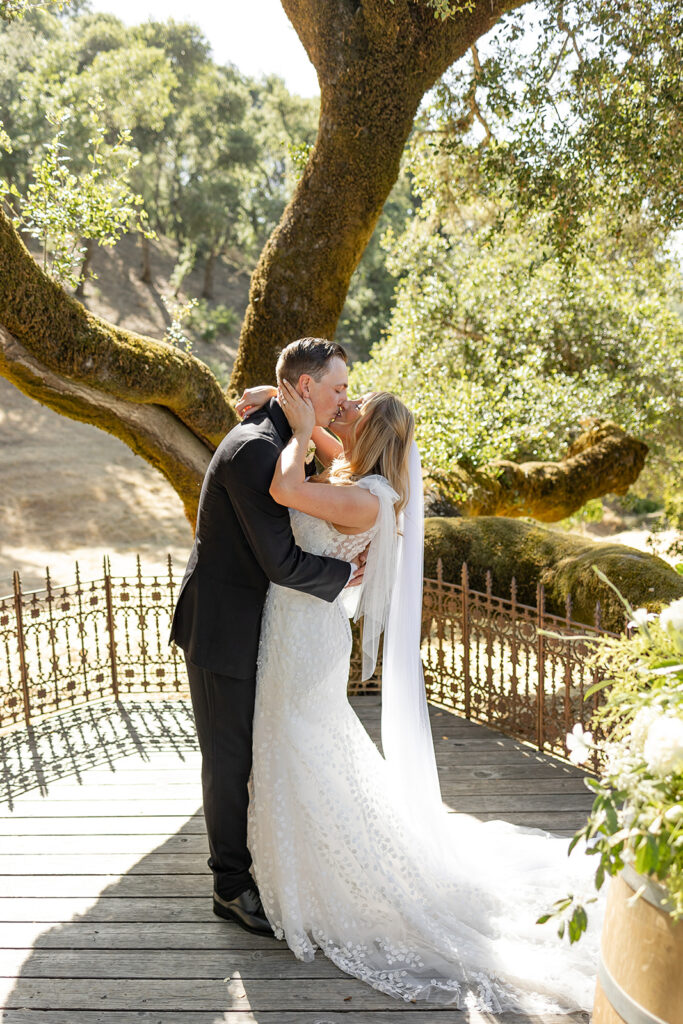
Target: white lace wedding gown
[{"x": 447, "y": 916}]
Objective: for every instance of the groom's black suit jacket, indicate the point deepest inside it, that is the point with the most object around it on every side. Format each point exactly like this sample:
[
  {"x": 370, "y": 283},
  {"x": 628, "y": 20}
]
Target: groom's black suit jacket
[{"x": 243, "y": 541}]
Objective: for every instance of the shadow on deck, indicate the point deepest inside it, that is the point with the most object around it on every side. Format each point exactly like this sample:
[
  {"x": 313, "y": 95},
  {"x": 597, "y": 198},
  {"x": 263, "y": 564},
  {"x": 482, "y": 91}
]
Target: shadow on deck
[{"x": 105, "y": 889}]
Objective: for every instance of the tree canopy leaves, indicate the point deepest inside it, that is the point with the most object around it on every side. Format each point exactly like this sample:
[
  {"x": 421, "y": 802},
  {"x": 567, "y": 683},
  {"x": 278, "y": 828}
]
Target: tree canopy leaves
[
  {"x": 503, "y": 346},
  {"x": 570, "y": 105}
]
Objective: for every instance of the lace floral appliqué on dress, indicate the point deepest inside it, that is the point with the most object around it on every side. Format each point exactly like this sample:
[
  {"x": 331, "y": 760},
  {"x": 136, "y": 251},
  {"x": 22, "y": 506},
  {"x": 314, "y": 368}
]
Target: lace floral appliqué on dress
[{"x": 448, "y": 916}]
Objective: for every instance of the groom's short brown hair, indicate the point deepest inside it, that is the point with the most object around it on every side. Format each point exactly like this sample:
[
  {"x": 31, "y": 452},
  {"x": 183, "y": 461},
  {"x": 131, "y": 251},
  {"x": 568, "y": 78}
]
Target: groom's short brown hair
[{"x": 307, "y": 355}]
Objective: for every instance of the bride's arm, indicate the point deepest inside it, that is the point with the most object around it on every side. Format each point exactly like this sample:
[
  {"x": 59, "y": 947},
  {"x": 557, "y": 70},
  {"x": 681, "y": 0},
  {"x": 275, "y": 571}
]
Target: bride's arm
[
  {"x": 327, "y": 447},
  {"x": 253, "y": 398},
  {"x": 345, "y": 506}
]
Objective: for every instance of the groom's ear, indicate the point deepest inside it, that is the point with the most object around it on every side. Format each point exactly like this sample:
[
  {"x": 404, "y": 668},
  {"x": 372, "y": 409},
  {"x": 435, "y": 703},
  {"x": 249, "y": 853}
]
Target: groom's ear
[{"x": 304, "y": 385}]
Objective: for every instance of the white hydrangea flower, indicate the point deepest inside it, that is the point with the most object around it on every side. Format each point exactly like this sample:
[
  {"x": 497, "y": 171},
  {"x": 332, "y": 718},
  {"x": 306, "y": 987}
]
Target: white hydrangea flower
[
  {"x": 663, "y": 748},
  {"x": 579, "y": 744},
  {"x": 621, "y": 765},
  {"x": 646, "y": 816},
  {"x": 627, "y": 816},
  {"x": 641, "y": 725},
  {"x": 674, "y": 813},
  {"x": 671, "y": 618}
]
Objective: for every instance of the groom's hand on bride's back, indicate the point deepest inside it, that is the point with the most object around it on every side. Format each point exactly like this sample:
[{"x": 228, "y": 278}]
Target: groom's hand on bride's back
[
  {"x": 356, "y": 577},
  {"x": 358, "y": 566}
]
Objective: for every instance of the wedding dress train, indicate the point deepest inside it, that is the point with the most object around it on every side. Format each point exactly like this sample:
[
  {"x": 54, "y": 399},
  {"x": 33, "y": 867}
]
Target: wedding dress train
[{"x": 443, "y": 910}]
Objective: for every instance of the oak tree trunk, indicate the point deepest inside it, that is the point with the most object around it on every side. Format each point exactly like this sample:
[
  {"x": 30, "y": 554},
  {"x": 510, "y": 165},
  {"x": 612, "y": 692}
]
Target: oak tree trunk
[
  {"x": 209, "y": 267},
  {"x": 375, "y": 60}
]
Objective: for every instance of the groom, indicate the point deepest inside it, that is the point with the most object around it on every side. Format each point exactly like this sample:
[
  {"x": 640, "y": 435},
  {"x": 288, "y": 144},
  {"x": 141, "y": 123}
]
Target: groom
[{"x": 242, "y": 543}]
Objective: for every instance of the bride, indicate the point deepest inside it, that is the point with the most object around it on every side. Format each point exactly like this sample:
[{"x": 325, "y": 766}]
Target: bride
[{"x": 353, "y": 851}]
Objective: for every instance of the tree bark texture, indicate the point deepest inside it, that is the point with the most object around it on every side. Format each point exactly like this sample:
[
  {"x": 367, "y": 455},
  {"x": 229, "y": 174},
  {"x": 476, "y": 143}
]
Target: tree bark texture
[
  {"x": 603, "y": 460},
  {"x": 375, "y": 60},
  {"x": 561, "y": 562}
]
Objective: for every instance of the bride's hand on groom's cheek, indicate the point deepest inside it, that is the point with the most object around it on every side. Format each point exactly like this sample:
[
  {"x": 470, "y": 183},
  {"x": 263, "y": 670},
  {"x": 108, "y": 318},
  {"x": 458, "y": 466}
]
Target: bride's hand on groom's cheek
[{"x": 297, "y": 408}]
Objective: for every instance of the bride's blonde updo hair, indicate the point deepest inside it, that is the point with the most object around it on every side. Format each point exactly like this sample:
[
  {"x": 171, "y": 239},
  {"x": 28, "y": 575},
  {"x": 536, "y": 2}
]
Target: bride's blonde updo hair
[{"x": 380, "y": 443}]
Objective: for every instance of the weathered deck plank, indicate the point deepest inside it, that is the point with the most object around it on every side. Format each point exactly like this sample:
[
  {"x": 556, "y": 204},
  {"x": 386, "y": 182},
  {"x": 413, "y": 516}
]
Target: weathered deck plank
[
  {"x": 410, "y": 1016},
  {"x": 314, "y": 996},
  {"x": 105, "y": 913},
  {"x": 275, "y": 962},
  {"x": 110, "y": 935},
  {"x": 105, "y": 908}
]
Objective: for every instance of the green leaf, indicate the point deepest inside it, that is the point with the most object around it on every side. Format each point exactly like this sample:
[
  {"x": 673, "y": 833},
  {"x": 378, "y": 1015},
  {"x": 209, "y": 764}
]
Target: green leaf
[
  {"x": 647, "y": 855},
  {"x": 596, "y": 687},
  {"x": 611, "y": 816},
  {"x": 576, "y": 839},
  {"x": 599, "y": 875},
  {"x": 577, "y": 924}
]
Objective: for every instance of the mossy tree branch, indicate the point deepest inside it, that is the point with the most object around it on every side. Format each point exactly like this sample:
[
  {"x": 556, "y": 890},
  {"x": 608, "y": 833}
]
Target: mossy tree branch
[
  {"x": 530, "y": 554},
  {"x": 603, "y": 460},
  {"x": 78, "y": 346},
  {"x": 163, "y": 403}
]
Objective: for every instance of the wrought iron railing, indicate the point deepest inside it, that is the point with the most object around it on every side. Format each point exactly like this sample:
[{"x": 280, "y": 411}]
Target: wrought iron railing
[
  {"x": 491, "y": 659},
  {"x": 485, "y": 657},
  {"x": 64, "y": 646}
]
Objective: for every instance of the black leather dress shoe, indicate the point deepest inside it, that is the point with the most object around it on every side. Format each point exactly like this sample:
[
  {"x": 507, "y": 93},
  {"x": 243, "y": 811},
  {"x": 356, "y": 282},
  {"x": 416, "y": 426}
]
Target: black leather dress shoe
[{"x": 246, "y": 909}]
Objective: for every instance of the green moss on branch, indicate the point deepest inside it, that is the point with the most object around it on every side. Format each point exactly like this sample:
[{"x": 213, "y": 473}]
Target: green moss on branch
[
  {"x": 70, "y": 341},
  {"x": 562, "y": 563}
]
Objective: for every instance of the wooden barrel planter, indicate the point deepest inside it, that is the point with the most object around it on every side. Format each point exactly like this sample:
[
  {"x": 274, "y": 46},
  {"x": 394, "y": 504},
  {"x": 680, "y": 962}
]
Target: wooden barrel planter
[{"x": 640, "y": 977}]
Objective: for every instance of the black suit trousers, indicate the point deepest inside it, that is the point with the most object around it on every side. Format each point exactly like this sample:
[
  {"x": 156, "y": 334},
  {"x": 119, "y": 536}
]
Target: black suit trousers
[{"x": 224, "y": 713}]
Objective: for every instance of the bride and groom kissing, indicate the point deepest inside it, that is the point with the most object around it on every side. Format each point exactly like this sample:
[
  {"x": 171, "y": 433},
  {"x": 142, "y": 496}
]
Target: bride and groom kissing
[{"x": 315, "y": 836}]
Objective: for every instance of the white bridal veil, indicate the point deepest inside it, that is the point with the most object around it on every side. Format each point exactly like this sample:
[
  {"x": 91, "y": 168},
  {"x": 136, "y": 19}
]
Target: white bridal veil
[{"x": 406, "y": 733}]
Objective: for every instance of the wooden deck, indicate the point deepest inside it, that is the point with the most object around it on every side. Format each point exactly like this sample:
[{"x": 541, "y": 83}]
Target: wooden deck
[{"x": 105, "y": 912}]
